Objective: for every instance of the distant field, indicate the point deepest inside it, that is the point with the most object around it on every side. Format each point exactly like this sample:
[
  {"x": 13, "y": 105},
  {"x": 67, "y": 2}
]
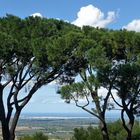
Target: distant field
[
  {"x": 54, "y": 128},
  {"x": 55, "y": 125}
]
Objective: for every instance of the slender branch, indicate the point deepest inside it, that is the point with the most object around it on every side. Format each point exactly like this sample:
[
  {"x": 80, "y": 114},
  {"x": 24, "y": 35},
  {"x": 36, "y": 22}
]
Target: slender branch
[
  {"x": 106, "y": 100},
  {"x": 115, "y": 88},
  {"x": 27, "y": 71},
  {"x": 133, "y": 100},
  {"x": 15, "y": 100},
  {"x": 87, "y": 101},
  {"x": 116, "y": 101},
  {"x": 20, "y": 74},
  {"x": 84, "y": 107},
  {"x": 52, "y": 76},
  {"x": 83, "y": 75},
  {"x": 25, "y": 82},
  {"x": 8, "y": 82},
  {"x": 137, "y": 106},
  {"x": 125, "y": 107},
  {"x": 90, "y": 70},
  {"x": 32, "y": 91}
]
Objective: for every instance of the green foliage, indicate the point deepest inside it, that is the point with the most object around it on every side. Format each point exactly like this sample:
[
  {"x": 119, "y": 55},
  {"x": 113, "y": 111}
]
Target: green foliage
[
  {"x": 115, "y": 129},
  {"x": 97, "y": 57},
  {"x": 34, "y": 51},
  {"x": 39, "y": 38},
  {"x": 136, "y": 131},
  {"x": 73, "y": 91},
  {"x": 128, "y": 80},
  {"x": 41, "y": 50},
  {"x": 86, "y": 134},
  {"x": 36, "y": 136}
]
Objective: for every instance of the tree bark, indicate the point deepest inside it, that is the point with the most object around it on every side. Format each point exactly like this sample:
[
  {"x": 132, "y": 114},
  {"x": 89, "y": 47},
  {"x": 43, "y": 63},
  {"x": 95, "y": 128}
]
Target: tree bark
[
  {"x": 103, "y": 126},
  {"x": 104, "y": 130},
  {"x": 130, "y": 128},
  {"x": 14, "y": 124},
  {"x": 4, "y": 124},
  {"x": 5, "y": 130}
]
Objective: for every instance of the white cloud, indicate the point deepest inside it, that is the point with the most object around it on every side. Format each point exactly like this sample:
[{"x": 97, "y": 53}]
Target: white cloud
[
  {"x": 134, "y": 25},
  {"x": 92, "y": 16},
  {"x": 36, "y": 15}
]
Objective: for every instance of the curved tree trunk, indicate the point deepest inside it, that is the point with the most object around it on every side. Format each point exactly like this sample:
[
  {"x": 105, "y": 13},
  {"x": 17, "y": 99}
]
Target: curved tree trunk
[{"x": 128, "y": 127}]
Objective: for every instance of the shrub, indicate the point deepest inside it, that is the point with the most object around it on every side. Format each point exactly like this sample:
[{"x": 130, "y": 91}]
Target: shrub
[
  {"x": 36, "y": 136},
  {"x": 86, "y": 134}
]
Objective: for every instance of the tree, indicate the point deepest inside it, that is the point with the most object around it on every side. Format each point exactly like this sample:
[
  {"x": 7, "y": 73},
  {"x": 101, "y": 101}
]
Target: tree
[
  {"x": 95, "y": 62},
  {"x": 34, "y": 52},
  {"x": 112, "y": 62},
  {"x": 126, "y": 68}
]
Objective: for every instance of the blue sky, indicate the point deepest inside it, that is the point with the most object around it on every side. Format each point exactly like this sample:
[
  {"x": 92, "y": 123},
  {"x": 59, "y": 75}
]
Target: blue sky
[
  {"x": 125, "y": 10},
  {"x": 114, "y": 14}
]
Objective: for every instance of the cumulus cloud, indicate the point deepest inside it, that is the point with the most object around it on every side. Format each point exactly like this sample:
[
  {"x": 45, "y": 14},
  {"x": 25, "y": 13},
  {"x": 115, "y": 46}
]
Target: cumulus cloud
[
  {"x": 37, "y": 15},
  {"x": 92, "y": 16},
  {"x": 134, "y": 25}
]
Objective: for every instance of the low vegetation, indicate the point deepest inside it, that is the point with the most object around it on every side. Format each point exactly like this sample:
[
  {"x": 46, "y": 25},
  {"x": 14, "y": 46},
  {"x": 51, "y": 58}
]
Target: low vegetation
[
  {"x": 116, "y": 132},
  {"x": 36, "y": 136}
]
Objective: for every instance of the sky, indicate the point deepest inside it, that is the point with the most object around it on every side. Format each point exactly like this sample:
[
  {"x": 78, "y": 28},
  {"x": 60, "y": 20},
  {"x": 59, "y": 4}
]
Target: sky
[{"x": 112, "y": 14}]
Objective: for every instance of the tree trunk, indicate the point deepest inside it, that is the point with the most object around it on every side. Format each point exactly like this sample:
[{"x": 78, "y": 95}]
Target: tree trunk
[
  {"x": 14, "y": 124},
  {"x": 4, "y": 124},
  {"x": 5, "y": 131},
  {"x": 101, "y": 114},
  {"x": 129, "y": 135},
  {"x": 130, "y": 128},
  {"x": 104, "y": 130}
]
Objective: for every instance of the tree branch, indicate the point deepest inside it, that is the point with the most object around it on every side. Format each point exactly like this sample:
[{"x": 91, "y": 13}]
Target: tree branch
[
  {"x": 123, "y": 121},
  {"x": 84, "y": 107},
  {"x": 116, "y": 101}
]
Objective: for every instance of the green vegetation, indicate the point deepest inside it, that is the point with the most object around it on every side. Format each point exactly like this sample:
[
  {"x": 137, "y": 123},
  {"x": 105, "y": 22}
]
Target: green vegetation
[
  {"x": 115, "y": 129},
  {"x": 36, "y": 136},
  {"x": 36, "y": 51},
  {"x": 88, "y": 132},
  {"x": 54, "y": 128},
  {"x": 111, "y": 61}
]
